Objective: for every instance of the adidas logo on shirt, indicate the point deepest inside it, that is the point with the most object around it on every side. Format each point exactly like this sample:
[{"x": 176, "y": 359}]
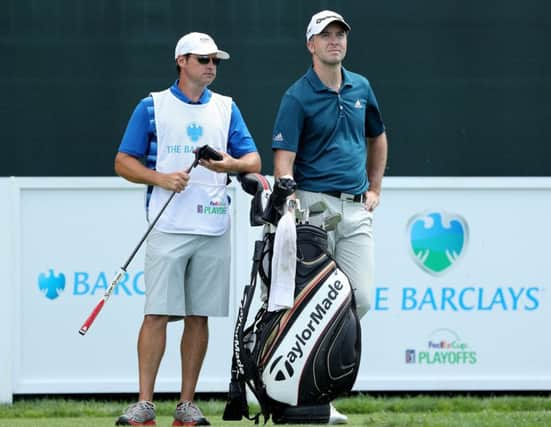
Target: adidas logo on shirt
[
  {"x": 278, "y": 137},
  {"x": 358, "y": 104}
]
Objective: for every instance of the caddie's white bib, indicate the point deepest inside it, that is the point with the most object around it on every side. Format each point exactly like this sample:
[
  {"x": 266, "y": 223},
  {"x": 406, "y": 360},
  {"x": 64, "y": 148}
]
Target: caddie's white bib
[{"x": 202, "y": 208}]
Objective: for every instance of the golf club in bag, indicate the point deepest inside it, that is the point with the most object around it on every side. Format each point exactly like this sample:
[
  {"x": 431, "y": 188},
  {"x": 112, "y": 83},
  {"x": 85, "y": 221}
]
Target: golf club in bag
[
  {"x": 296, "y": 360},
  {"x": 204, "y": 152}
]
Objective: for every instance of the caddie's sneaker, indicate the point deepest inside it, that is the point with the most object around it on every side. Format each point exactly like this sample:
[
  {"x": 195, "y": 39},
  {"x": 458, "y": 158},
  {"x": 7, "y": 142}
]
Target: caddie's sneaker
[
  {"x": 138, "y": 414},
  {"x": 335, "y": 417},
  {"x": 188, "y": 414}
]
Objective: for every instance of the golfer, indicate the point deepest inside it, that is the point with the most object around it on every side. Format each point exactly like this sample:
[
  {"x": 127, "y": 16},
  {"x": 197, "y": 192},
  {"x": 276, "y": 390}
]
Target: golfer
[
  {"x": 329, "y": 135},
  {"x": 187, "y": 260}
]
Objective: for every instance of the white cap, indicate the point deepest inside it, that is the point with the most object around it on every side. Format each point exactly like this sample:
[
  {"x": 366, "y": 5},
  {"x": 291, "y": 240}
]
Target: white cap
[
  {"x": 321, "y": 20},
  {"x": 198, "y": 44}
]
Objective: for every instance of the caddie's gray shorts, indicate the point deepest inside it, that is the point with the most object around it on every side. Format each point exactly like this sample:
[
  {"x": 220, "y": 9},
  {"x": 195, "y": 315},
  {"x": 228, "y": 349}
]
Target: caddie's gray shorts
[{"x": 187, "y": 275}]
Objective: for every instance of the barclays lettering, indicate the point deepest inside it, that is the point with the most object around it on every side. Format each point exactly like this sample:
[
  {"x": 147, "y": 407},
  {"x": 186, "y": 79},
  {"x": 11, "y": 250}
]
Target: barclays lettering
[
  {"x": 85, "y": 284},
  {"x": 437, "y": 240},
  {"x": 53, "y": 285},
  {"x": 469, "y": 298}
]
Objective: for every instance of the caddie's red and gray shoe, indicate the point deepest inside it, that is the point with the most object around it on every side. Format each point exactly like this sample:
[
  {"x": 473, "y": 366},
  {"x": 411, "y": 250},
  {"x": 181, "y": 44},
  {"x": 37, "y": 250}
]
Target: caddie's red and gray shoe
[
  {"x": 141, "y": 413},
  {"x": 188, "y": 414}
]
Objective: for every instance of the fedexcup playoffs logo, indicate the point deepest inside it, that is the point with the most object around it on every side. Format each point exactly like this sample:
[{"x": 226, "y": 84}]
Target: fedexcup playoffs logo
[
  {"x": 52, "y": 285},
  {"x": 215, "y": 207},
  {"x": 437, "y": 240},
  {"x": 442, "y": 347}
]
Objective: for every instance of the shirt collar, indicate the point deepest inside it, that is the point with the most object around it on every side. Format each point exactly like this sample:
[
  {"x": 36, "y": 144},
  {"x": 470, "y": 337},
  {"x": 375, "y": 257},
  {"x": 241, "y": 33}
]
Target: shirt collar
[
  {"x": 317, "y": 84},
  {"x": 203, "y": 99}
]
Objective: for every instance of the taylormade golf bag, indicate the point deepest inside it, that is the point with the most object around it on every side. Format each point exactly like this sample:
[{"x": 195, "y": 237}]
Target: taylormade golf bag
[{"x": 295, "y": 360}]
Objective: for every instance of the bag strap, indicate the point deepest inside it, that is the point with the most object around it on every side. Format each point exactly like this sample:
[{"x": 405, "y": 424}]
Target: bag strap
[{"x": 243, "y": 367}]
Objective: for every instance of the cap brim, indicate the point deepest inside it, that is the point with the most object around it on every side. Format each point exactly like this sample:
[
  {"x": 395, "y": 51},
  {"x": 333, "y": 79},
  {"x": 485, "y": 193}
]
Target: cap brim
[
  {"x": 219, "y": 53},
  {"x": 222, "y": 54},
  {"x": 337, "y": 20}
]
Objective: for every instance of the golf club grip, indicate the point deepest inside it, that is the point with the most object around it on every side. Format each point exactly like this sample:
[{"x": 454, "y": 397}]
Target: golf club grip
[{"x": 88, "y": 322}]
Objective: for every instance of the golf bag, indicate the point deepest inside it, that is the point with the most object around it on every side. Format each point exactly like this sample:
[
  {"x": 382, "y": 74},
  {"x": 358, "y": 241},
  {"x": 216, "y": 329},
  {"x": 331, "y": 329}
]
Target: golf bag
[{"x": 294, "y": 360}]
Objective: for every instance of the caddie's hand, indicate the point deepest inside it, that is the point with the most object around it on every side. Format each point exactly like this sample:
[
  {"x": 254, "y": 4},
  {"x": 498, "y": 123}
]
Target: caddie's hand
[
  {"x": 371, "y": 200},
  {"x": 224, "y": 165},
  {"x": 175, "y": 181}
]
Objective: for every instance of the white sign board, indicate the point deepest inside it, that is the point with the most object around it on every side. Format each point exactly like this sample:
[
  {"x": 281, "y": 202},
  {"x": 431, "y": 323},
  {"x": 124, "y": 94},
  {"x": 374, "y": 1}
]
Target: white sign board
[{"x": 461, "y": 297}]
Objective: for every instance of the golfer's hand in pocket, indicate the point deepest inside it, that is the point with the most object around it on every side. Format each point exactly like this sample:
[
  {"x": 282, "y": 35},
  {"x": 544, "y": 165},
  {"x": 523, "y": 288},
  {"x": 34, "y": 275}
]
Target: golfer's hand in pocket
[{"x": 371, "y": 200}]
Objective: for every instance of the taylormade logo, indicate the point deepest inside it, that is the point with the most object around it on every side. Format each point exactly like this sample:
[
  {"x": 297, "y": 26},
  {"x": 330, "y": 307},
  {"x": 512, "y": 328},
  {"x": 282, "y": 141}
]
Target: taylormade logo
[
  {"x": 315, "y": 317},
  {"x": 236, "y": 341},
  {"x": 320, "y": 20}
]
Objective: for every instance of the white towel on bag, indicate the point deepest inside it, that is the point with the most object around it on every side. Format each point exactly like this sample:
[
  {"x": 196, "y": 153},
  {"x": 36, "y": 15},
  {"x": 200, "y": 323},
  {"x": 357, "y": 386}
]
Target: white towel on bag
[{"x": 284, "y": 264}]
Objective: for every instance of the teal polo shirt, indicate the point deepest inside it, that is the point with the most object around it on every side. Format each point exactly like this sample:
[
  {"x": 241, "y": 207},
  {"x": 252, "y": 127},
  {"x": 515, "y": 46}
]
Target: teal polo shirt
[{"x": 327, "y": 130}]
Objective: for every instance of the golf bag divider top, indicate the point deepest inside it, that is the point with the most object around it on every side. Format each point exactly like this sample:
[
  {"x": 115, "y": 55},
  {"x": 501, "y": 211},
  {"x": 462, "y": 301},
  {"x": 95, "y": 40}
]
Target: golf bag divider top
[{"x": 296, "y": 360}]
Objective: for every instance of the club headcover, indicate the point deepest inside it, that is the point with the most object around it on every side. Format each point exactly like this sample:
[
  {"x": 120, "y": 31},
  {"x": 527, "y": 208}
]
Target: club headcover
[{"x": 258, "y": 186}]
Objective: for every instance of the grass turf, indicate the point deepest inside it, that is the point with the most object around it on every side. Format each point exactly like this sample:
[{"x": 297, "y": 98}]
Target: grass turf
[{"x": 362, "y": 410}]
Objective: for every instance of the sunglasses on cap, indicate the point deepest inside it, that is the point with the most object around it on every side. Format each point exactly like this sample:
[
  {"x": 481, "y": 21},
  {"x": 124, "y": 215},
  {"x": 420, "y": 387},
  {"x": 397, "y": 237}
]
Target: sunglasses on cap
[{"x": 205, "y": 59}]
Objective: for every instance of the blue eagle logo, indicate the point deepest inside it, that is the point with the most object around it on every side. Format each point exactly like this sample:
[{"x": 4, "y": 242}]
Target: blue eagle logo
[
  {"x": 437, "y": 240},
  {"x": 51, "y": 286},
  {"x": 195, "y": 132}
]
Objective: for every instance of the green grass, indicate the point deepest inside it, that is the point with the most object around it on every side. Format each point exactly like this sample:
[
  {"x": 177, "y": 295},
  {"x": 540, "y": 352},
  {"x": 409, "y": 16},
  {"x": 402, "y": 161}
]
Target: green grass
[{"x": 362, "y": 410}]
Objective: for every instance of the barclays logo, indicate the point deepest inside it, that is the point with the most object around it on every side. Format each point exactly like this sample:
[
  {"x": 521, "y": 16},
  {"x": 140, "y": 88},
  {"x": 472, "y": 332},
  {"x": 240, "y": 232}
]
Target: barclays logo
[
  {"x": 437, "y": 240},
  {"x": 51, "y": 285},
  {"x": 195, "y": 132}
]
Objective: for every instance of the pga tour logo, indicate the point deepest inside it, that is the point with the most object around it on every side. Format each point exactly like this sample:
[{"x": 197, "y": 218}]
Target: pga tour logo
[{"x": 437, "y": 240}]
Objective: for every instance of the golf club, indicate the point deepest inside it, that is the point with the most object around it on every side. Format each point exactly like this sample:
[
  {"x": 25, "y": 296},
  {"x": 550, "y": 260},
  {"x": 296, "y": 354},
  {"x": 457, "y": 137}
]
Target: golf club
[
  {"x": 204, "y": 152},
  {"x": 330, "y": 223},
  {"x": 317, "y": 213},
  {"x": 318, "y": 207}
]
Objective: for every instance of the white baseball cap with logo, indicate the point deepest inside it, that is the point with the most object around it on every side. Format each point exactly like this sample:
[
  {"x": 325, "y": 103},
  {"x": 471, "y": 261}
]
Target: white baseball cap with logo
[
  {"x": 198, "y": 44},
  {"x": 321, "y": 20}
]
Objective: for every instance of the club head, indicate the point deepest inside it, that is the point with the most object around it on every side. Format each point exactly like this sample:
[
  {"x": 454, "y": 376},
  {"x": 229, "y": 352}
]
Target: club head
[
  {"x": 318, "y": 208},
  {"x": 330, "y": 223},
  {"x": 293, "y": 204},
  {"x": 300, "y": 216}
]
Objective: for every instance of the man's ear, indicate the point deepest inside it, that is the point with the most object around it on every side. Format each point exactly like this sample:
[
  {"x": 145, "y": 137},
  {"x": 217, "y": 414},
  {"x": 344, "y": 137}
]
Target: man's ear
[
  {"x": 181, "y": 60},
  {"x": 310, "y": 45}
]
